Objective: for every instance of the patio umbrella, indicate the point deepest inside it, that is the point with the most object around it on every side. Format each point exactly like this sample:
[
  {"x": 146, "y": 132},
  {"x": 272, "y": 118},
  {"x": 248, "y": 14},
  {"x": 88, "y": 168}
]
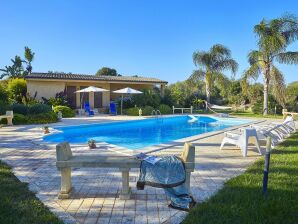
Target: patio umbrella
[
  {"x": 90, "y": 89},
  {"x": 126, "y": 90}
]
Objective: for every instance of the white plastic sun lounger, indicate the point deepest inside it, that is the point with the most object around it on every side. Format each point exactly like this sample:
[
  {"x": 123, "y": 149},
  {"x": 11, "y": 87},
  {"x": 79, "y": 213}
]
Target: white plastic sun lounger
[
  {"x": 279, "y": 131},
  {"x": 289, "y": 124},
  {"x": 248, "y": 135},
  {"x": 276, "y": 131}
]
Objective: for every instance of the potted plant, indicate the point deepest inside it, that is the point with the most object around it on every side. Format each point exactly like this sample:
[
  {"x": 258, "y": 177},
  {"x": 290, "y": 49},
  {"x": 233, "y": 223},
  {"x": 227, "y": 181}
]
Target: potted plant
[
  {"x": 91, "y": 144},
  {"x": 46, "y": 129}
]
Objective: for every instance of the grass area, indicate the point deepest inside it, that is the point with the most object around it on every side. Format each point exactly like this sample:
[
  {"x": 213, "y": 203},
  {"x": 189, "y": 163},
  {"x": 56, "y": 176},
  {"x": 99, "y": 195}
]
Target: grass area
[
  {"x": 250, "y": 114},
  {"x": 241, "y": 199},
  {"x": 239, "y": 113},
  {"x": 18, "y": 204}
]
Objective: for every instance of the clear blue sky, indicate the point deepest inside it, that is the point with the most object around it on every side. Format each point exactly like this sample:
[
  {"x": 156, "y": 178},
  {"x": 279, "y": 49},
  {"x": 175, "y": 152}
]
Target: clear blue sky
[{"x": 150, "y": 38}]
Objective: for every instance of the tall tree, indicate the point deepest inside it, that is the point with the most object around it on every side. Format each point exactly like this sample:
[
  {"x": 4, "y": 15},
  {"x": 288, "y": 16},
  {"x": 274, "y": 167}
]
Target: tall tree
[
  {"x": 29, "y": 56},
  {"x": 212, "y": 64},
  {"x": 274, "y": 37},
  {"x": 15, "y": 70},
  {"x": 105, "y": 71}
]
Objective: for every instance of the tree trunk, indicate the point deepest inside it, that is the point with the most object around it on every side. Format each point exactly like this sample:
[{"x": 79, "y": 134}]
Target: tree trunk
[
  {"x": 208, "y": 93},
  {"x": 266, "y": 89}
]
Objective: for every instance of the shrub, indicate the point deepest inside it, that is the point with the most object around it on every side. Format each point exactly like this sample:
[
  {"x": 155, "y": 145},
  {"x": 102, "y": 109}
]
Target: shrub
[
  {"x": 3, "y": 108},
  {"x": 3, "y": 95},
  {"x": 19, "y": 109},
  {"x": 60, "y": 99},
  {"x": 257, "y": 108},
  {"x": 147, "y": 110},
  {"x": 19, "y": 119},
  {"x": 149, "y": 98},
  {"x": 165, "y": 109},
  {"x": 43, "y": 118},
  {"x": 134, "y": 111},
  {"x": 17, "y": 89},
  {"x": 39, "y": 108},
  {"x": 66, "y": 111}
]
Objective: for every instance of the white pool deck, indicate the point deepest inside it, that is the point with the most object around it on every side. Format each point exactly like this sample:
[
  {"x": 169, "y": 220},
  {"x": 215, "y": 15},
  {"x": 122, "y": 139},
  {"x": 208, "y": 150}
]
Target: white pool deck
[{"x": 95, "y": 199}]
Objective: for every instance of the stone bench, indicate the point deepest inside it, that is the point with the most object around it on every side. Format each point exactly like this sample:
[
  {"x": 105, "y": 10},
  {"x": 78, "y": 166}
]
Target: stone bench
[
  {"x": 66, "y": 160},
  {"x": 8, "y": 116}
]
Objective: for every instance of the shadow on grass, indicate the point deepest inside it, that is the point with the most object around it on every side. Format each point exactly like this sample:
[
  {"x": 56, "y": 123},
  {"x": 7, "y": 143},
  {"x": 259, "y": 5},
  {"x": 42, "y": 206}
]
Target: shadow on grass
[
  {"x": 241, "y": 199},
  {"x": 18, "y": 204}
]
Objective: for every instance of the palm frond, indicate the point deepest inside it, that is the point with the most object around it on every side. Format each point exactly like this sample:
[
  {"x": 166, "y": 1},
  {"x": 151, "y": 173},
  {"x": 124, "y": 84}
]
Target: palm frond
[
  {"x": 220, "y": 79},
  {"x": 255, "y": 56},
  {"x": 244, "y": 85},
  {"x": 253, "y": 72},
  {"x": 227, "y": 64},
  {"x": 197, "y": 75},
  {"x": 289, "y": 57},
  {"x": 271, "y": 40},
  {"x": 201, "y": 58},
  {"x": 278, "y": 85},
  {"x": 289, "y": 27},
  {"x": 219, "y": 49}
]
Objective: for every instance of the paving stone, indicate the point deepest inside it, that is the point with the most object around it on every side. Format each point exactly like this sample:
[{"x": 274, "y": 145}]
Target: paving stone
[{"x": 95, "y": 195}]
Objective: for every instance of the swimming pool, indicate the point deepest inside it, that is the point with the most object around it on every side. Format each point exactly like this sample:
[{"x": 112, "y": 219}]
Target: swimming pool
[{"x": 141, "y": 133}]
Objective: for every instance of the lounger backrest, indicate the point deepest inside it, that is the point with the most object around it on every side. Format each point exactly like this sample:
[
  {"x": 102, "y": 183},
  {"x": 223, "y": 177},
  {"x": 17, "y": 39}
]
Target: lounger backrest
[
  {"x": 288, "y": 119},
  {"x": 63, "y": 151},
  {"x": 188, "y": 154}
]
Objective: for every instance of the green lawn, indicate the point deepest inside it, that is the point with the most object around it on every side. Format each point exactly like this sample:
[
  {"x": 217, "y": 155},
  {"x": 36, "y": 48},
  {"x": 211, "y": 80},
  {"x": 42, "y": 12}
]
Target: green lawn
[
  {"x": 239, "y": 113},
  {"x": 250, "y": 114},
  {"x": 18, "y": 204},
  {"x": 241, "y": 199}
]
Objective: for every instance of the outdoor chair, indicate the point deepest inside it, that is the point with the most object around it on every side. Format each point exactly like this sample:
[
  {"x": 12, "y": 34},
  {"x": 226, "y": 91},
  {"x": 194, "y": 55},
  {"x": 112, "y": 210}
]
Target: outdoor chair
[
  {"x": 88, "y": 110},
  {"x": 113, "y": 108},
  {"x": 248, "y": 135}
]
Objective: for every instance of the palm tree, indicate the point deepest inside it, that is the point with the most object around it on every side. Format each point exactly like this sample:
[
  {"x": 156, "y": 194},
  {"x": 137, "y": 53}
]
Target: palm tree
[
  {"x": 274, "y": 37},
  {"x": 212, "y": 64},
  {"x": 29, "y": 55},
  {"x": 15, "y": 70}
]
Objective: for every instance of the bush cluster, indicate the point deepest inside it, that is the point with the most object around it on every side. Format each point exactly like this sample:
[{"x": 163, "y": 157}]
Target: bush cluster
[
  {"x": 30, "y": 109},
  {"x": 43, "y": 118},
  {"x": 39, "y": 109},
  {"x": 165, "y": 109},
  {"x": 147, "y": 110},
  {"x": 66, "y": 111},
  {"x": 134, "y": 111}
]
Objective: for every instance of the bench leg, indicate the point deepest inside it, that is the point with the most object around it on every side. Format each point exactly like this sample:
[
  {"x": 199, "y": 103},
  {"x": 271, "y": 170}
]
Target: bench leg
[
  {"x": 65, "y": 183},
  {"x": 187, "y": 179},
  {"x": 9, "y": 121},
  {"x": 125, "y": 191}
]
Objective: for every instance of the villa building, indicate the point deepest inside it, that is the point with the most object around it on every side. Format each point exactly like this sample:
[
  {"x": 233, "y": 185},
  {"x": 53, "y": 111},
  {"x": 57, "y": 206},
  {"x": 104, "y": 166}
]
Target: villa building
[{"x": 47, "y": 85}]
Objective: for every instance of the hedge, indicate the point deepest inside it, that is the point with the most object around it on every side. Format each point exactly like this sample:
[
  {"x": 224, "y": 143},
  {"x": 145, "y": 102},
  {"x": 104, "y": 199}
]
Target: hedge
[
  {"x": 43, "y": 118},
  {"x": 134, "y": 111},
  {"x": 66, "y": 111},
  {"x": 146, "y": 111},
  {"x": 39, "y": 108},
  {"x": 19, "y": 109},
  {"x": 165, "y": 109}
]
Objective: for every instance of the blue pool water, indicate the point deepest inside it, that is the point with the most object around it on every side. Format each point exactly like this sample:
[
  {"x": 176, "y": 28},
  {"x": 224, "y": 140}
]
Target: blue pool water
[{"x": 141, "y": 133}]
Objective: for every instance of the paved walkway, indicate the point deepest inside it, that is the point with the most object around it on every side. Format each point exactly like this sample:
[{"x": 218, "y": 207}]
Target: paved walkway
[{"x": 95, "y": 199}]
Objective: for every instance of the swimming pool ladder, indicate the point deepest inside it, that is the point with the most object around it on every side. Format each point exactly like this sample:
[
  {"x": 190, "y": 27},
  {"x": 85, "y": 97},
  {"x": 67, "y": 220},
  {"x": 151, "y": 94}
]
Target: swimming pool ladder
[{"x": 156, "y": 114}]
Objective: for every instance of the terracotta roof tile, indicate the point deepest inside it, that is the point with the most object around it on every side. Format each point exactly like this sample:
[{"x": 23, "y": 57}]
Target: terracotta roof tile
[{"x": 70, "y": 76}]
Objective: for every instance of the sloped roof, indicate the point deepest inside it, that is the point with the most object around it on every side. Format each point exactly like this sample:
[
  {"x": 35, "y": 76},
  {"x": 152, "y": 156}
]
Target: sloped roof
[{"x": 70, "y": 76}]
